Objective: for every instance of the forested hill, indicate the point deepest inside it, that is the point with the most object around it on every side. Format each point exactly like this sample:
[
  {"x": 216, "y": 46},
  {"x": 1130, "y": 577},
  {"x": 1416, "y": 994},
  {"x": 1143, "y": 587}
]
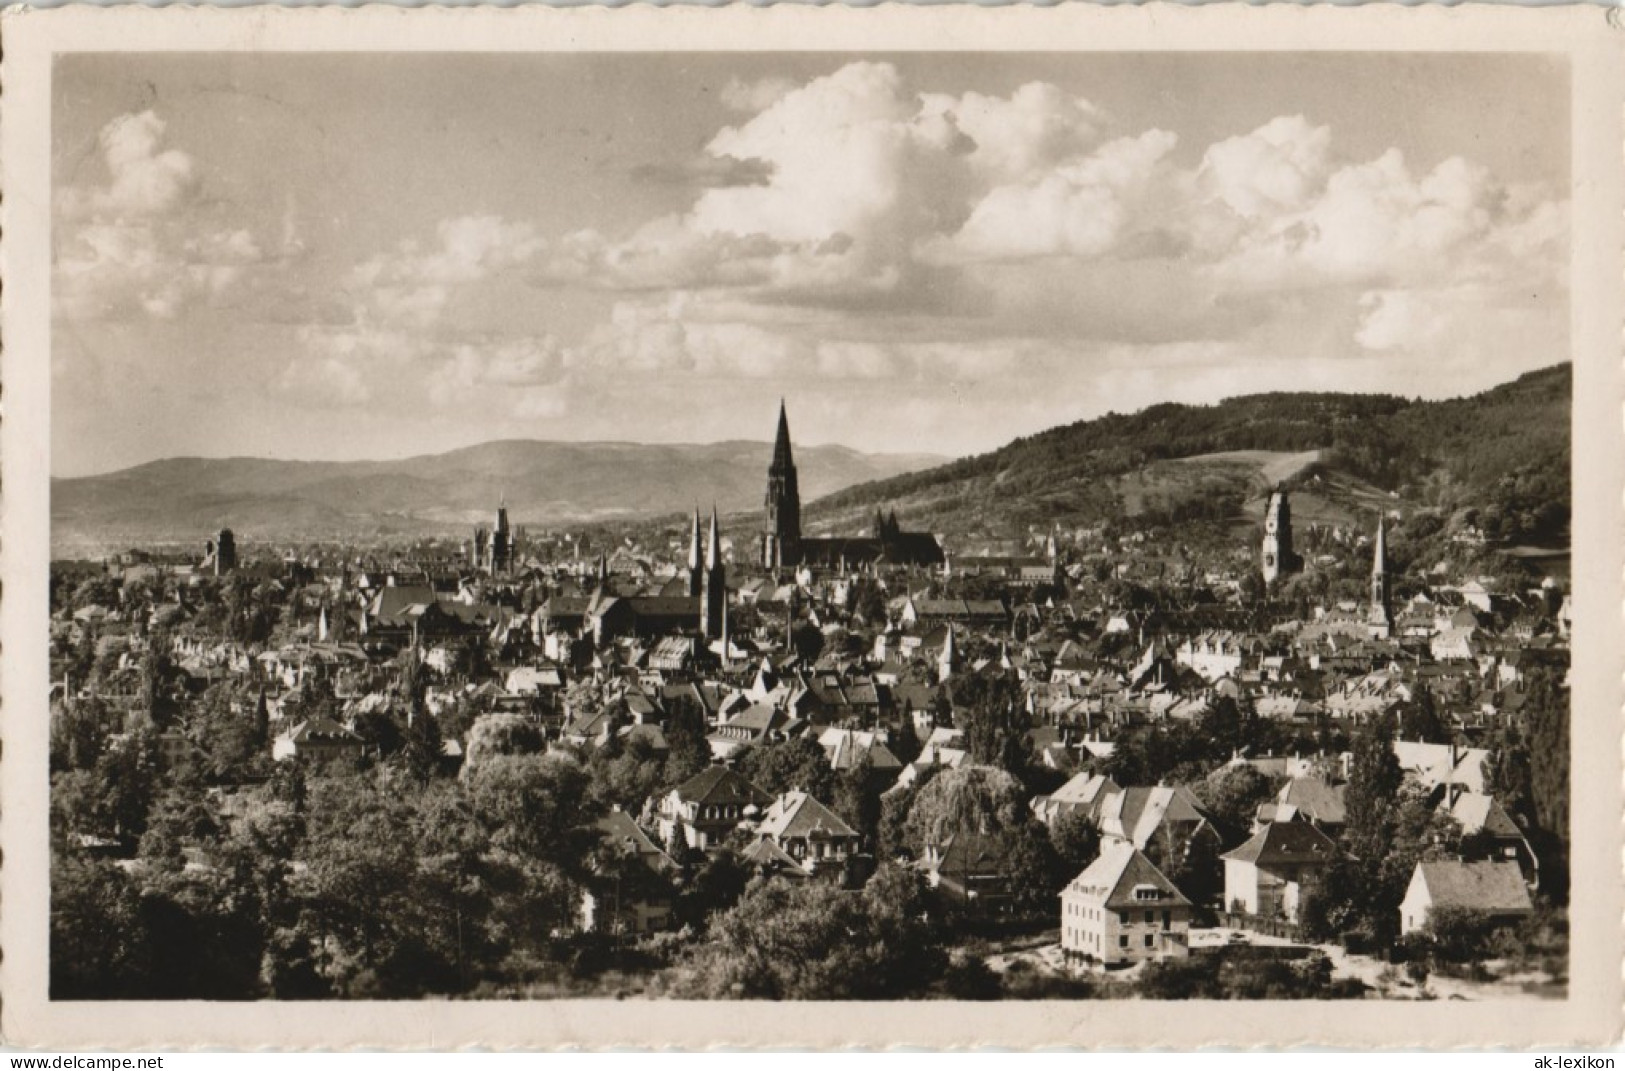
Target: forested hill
[{"x": 1504, "y": 452}]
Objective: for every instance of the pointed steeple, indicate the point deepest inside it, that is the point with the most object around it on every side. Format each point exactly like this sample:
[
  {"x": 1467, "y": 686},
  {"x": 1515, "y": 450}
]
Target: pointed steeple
[
  {"x": 781, "y": 444},
  {"x": 714, "y": 596},
  {"x": 694, "y": 542},
  {"x": 949, "y": 661},
  {"x": 725, "y": 639},
  {"x": 1381, "y": 617}
]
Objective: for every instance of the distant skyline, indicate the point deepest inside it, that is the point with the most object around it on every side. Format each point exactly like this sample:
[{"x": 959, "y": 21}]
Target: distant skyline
[{"x": 377, "y": 256}]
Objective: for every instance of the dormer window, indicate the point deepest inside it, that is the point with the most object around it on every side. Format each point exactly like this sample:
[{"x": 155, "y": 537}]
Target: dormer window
[{"x": 1147, "y": 892}]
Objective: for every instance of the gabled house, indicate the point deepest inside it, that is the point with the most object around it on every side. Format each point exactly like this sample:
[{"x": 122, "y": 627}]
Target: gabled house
[
  {"x": 709, "y": 806},
  {"x": 632, "y": 891},
  {"x": 1483, "y": 819},
  {"x": 1085, "y": 792},
  {"x": 1266, "y": 875},
  {"x": 1311, "y": 799},
  {"x": 813, "y": 836},
  {"x": 969, "y": 868},
  {"x": 1163, "y": 820},
  {"x": 1122, "y": 910},
  {"x": 1492, "y": 887},
  {"x": 850, "y": 748},
  {"x": 318, "y": 739}
]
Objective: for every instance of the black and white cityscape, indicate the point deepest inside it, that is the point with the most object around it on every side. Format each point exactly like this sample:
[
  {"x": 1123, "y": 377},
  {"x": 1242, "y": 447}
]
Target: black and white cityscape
[{"x": 803, "y": 526}]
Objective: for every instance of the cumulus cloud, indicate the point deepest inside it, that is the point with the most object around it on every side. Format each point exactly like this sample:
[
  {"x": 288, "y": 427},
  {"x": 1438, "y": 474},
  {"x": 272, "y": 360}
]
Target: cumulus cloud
[
  {"x": 1269, "y": 170},
  {"x": 854, "y": 228},
  {"x": 138, "y": 245},
  {"x": 1376, "y": 222},
  {"x": 1036, "y": 127},
  {"x": 754, "y": 96},
  {"x": 971, "y": 221},
  {"x": 398, "y": 339},
  {"x": 469, "y": 367},
  {"x": 1083, "y": 209}
]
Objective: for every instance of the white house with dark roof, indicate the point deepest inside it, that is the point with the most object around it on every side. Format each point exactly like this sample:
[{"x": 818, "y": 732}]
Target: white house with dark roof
[
  {"x": 1085, "y": 792},
  {"x": 638, "y": 899},
  {"x": 1266, "y": 875},
  {"x": 1492, "y": 887},
  {"x": 1122, "y": 910},
  {"x": 709, "y": 806},
  {"x": 1482, "y": 817},
  {"x": 317, "y": 739},
  {"x": 1168, "y": 815},
  {"x": 806, "y": 831}
]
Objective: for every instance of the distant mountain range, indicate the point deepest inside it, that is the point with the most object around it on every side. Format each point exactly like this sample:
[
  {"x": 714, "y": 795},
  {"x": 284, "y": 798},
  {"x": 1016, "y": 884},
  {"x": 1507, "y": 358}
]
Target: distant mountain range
[
  {"x": 1504, "y": 452},
  {"x": 544, "y": 483}
]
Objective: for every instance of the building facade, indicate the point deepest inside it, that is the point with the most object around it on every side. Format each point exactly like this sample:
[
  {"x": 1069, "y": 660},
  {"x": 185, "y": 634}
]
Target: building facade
[
  {"x": 1122, "y": 910},
  {"x": 1279, "y": 557}
]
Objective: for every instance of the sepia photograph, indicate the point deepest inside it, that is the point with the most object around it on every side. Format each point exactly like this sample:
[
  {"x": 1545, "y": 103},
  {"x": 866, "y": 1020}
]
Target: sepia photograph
[{"x": 898, "y": 523}]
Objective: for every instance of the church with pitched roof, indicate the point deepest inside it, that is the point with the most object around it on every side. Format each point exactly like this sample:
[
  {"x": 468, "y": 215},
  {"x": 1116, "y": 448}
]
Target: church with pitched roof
[{"x": 784, "y": 546}]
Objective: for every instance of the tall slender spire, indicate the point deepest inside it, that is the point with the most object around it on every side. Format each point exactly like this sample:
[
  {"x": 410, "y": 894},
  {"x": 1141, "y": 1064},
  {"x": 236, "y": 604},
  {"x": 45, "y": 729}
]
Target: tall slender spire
[
  {"x": 714, "y": 597},
  {"x": 780, "y": 543},
  {"x": 1381, "y": 616},
  {"x": 781, "y": 445},
  {"x": 713, "y": 543},
  {"x": 695, "y": 577}
]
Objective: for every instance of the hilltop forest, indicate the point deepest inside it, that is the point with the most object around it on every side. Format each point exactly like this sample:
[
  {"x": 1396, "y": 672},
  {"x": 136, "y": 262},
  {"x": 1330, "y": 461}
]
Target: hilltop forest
[{"x": 1503, "y": 454}]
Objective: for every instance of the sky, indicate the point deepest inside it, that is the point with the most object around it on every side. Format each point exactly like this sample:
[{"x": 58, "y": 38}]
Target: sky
[{"x": 380, "y": 255}]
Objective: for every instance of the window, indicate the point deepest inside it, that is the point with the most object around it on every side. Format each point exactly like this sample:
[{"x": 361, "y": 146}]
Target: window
[
  {"x": 1167, "y": 919},
  {"x": 1122, "y": 917},
  {"x": 1149, "y": 915},
  {"x": 1149, "y": 940},
  {"x": 1122, "y": 941}
]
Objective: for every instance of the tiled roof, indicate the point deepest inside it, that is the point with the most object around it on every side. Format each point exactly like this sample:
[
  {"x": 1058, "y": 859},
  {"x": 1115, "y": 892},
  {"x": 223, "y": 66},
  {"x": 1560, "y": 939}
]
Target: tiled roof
[
  {"x": 1285, "y": 843},
  {"x": 1490, "y": 885},
  {"x": 718, "y": 786},
  {"x": 796, "y": 814},
  {"x": 1118, "y": 872}
]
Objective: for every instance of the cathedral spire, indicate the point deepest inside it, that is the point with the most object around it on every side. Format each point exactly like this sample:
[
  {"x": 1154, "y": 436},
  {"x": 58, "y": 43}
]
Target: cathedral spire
[
  {"x": 714, "y": 595},
  {"x": 780, "y": 542},
  {"x": 695, "y": 577},
  {"x": 713, "y": 543},
  {"x": 781, "y": 444},
  {"x": 1381, "y": 616}
]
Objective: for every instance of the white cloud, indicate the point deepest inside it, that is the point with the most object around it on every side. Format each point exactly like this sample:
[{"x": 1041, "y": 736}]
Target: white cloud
[
  {"x": 472, "y": 367},
  {"x": 1036, "y": 127},
  {"x": 1082, "y": 209},
  {"x": 140, "y": 244},
  {"x": 145, "y": 180},
  {"x": 754, "y": 96},
  {"x": 1273, "y": 169},
  {"x": 1376, "y": 222},
  {"x": 967, "y": 241}
]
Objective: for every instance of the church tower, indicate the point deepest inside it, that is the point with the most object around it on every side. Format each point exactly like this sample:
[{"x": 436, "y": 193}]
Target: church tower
[
  {"x": 780, "y": 545},
  {"x": 501, "y": 541},
  {"x": 696, "y": 578},
  {"x": 714, "y": 598},
  {"x": 1381, "y": 615},
  {"x": 948, "y": 660},
  {"x": 1279, "y": 558},
  {"x": 225, "y": 552}
]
